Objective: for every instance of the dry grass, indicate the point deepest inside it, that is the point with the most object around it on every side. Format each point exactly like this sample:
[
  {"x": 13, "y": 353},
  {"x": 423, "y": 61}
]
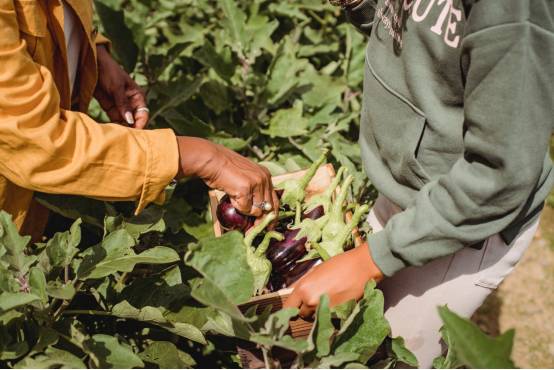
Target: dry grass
[{"x": 525, "y": 301}]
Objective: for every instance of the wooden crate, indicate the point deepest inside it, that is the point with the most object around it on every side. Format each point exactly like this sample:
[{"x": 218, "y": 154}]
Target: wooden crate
[{"x": 251, "y": 357}]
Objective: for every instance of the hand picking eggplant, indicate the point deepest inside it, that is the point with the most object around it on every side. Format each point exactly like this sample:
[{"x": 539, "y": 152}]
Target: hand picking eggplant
[
  {"x": 323, "y": 199},
  {"x": 295, "y": 189},
  {"x": 336, "y": 223},
  {"x": 287, "y": 251},
  {"x": 230, "y": 218}
]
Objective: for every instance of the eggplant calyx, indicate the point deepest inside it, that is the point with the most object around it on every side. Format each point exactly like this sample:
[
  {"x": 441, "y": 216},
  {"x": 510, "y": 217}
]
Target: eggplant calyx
[
  {"x": 320, "y": 250},
  {"x": 295, "y": 189},
  {"x": 336, "y": 223},
  {"x": 262, "y": 248},
  {"x": 248, "y": 239},
  {"x": 310, "y": 229},
  {"x": 324, "y": 199}
]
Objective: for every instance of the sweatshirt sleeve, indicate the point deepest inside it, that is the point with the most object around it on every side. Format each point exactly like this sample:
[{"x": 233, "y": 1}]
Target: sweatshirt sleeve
[
  {"x": 362, "y": 15},
  {"x": 507, "y": 62},
  {"x": 45, "y": 148}
]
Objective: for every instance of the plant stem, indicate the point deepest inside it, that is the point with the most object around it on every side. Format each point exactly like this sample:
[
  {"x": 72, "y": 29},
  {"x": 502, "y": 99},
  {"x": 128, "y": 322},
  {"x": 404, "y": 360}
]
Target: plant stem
[
  {"x": 262, "y": 248},
  {"x": 322, "y": 252},
  {"x": 268, "y": 358},
  {"x": 64, "y": 305},
  {"x": 347, "y": 231},
  {"x": 248, "y": 239},
  {"x": 120, "y": 281},
  {"x": 298, "y": 216},
  {"x": 335, "y": 216},
  {"x": 86, "y": 312},
  {"x": 307, "y": 177}
]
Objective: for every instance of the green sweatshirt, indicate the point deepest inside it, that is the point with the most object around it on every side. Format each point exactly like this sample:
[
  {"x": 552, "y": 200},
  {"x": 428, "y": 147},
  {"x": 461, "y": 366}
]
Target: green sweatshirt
[{"x": 458, "y": 110}]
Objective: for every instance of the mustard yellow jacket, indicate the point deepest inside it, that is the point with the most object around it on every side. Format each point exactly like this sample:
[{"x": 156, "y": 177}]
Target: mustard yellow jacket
[{"x": 47, "y": 142}]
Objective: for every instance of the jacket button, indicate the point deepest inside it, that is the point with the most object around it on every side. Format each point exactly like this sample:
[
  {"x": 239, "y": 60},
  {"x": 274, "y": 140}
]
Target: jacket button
[{"x": 94, "y": 32}]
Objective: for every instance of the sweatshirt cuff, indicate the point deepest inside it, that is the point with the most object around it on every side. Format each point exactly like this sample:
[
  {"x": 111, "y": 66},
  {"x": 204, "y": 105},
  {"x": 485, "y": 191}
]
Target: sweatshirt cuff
[
  {"x": 382, "y": 254},
  {"x": 101, "y": 40},
  {"x": 161, "y": 165}
]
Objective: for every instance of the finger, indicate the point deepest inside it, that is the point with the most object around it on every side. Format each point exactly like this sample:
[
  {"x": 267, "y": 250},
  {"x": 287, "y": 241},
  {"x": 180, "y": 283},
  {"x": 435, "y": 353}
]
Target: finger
[
  {"x": 243, "y": 204},
  {"x": 294, "y": 300},
  {"x": 302, "y": 278},
  {"x": 141, "y": 119},
  {"x": 306, "y": 312},
  {"x": 123, "y": 105}
]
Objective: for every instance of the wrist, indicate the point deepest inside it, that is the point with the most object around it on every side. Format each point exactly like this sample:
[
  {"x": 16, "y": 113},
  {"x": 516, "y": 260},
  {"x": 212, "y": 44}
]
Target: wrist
[
  {"x": 367, "y": 264},
  {"x": 195, "y": 156}
]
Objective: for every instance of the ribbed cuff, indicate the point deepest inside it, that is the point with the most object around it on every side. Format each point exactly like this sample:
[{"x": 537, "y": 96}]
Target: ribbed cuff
[
  {"x": 161, "y": 165},
  {"x": 382, "y": 254}
]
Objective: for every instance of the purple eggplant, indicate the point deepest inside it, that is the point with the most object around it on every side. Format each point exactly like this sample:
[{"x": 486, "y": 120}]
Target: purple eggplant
[
  {"x": 295, "y": 189},
  {"x": 283, "y": 253},
  {"x": 280, "y": 193},
  {"x": 315, "y": 213},
  {"x": 292, "y": 273},
  {"x": 230, "y": 218}
]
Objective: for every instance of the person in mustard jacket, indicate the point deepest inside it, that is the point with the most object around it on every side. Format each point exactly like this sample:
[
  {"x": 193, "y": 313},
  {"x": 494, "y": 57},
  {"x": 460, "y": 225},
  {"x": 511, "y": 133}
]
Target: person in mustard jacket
[{"x": 52, "y": 62}]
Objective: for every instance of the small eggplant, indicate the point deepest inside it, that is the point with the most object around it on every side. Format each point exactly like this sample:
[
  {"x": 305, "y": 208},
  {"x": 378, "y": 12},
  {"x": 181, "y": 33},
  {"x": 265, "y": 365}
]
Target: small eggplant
[
  {"x": 295, "y": 189},
  {"x": 336, "y": 223},
  {"x": 230, "y": 218},
  {"x": 290, "y": 275},
  {"x": 323, "y": 199},
  {"x": 315, "y": 213},
  {"x": 260, "y": 265},
  {"x": 287, "y": 251}
]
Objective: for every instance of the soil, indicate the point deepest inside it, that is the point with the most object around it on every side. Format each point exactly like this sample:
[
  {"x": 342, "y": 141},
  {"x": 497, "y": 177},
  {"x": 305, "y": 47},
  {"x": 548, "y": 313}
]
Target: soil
[{"x": 525, "y": 302}]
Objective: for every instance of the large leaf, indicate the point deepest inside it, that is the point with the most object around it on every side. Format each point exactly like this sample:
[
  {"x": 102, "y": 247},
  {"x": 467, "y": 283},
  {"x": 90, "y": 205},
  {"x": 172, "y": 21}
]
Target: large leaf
[
  {"x": 273, "y": 332},
  {"x": 476, "y": 349},
  {"x": 154, "y": 316},
  {"x": 166, "y": 356},
  {"x": 46, "y": 338},
  {"x": 9, "y": 301},
  {"x": 14, "y": 245},
  {"x": 398, "y": 351},
  {"x": 52, "y": 359},
  {"x": 8, "y": 283},
  {"x": 60, "y": 250},
  {"x": 366, "y": 328},
  {"x": 106, "y": 353},
  {"x": 150, "y": 219},
  {"x": 174, "y": 94},
  {"x": 234, "y": 22},
  {"x": 89, "y": 210},
  {"x": 114, "y": 254},
  {"x": 37, "y": 284},
  {"x": 121, "y": 36},
  {"x": 288, "y": 122},
  {"x": 228, "y": 280},
  {"x": 221, "y": 63},
  {"x": 451, "y": 361}
]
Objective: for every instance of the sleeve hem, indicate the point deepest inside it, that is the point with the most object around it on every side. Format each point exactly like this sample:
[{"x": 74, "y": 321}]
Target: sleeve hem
[
  {"x": 161, "y": 166},
  {"x": 383, "y": 256}
]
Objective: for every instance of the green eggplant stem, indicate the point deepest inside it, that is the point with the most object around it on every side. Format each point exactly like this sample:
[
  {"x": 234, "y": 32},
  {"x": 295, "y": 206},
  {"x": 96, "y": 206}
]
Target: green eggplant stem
[
  {"x": 307, "y": 177},
  {"x": 333, "y": 185},
  {"x": 298, "y": 218},
  {"x": 345, "y": 233},
  {"x": 322, "y": 252},
  {"x": 285, "y": 214},
  {"x": 336, "y": 209},
  {"x": 350, "y": 206},
  {"x": 248, "y": 239},
  {"x": 262, "y": 248}
]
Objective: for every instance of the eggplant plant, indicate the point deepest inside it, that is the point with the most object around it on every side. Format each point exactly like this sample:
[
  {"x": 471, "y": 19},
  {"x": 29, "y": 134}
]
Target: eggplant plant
[
  {"x": 336, "y": 223},
  {"x": 295, "y": 189}
]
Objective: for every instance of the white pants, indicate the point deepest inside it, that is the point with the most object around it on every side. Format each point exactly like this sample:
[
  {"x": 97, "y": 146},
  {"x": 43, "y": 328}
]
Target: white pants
[{"x": 462, "y": 280}]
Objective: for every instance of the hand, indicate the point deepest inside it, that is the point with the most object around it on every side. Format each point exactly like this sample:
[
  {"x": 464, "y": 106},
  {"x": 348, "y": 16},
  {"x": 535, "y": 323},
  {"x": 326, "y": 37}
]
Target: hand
[
  {"x": 223, "y": 169},
  {"x": 343, "y": 277},
  {"x": 118, "y": 94}
]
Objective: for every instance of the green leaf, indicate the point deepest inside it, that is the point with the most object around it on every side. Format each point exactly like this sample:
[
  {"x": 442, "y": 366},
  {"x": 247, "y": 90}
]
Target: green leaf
[
  {"x": 15, "y": 245},
  {"x": 165, "y": 355},
  {"x": 106, "y": 353},
  {"x": 102, "y": 290},
  {"x": 451, "y": 361},
  {"x": 321, "y": 333},
  {"x": 150, "y": 219},
  {"x": 221, "y": 63},
  {"x": 398, "y": 351},
  {"x": 333, "y": 361},
  {"x": 57, "y": 289},
  {"x": 114, "y": 254},
  {"x": 46, "y": 338},
  {"x": 215, "y": 96},
  {"x": 5, "y": 339},
  {"x": 9, "y": 301},
  {"x": 274, "y": 168},
  {"x": 159, "y": 62},
  {"x": 173, "y": 94},
  {"x": 164, "y": 291},
  {"x": 7, "y": 282},
  {"x": 228, "y": 141},
  {"x": 52, "y": 359},
  {"x": 273, "y": 332},
  {"x": 122, "y": 37},
  {"x": 37, "y": 284},
  {"x": 60, "y": 250},
  {"x": 234, "y": 22},
  {"x": 14, "y": 351},
  {"x": 90, "y": 210},
  {"x": 153, "y": 316},
  {"x": 476, "y": 349},
  {"x": 228, "y": 280},
  {"x": 366, "y": 328},
  {"x": 262, "y": 40},
  {"x": 344, "y": 310},
  {"x": 288, "y": 122}
]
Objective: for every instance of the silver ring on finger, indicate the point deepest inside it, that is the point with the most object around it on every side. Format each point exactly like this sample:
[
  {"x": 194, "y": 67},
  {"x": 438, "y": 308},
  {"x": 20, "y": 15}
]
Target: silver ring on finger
[
  {"x": 264, "y": 206},
  {"x": 143, "y": 109}
]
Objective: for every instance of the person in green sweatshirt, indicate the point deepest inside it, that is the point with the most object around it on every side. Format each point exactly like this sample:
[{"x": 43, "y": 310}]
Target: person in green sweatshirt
[{"x": 458, "y": 111}]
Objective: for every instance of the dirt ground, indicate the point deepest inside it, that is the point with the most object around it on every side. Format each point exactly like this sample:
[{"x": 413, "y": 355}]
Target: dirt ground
[{"x": 525, "y": 302}]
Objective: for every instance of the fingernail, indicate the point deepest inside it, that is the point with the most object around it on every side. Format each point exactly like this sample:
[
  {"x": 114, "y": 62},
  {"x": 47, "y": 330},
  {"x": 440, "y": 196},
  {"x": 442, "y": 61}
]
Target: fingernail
[{"x": 129, "y": 117}]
